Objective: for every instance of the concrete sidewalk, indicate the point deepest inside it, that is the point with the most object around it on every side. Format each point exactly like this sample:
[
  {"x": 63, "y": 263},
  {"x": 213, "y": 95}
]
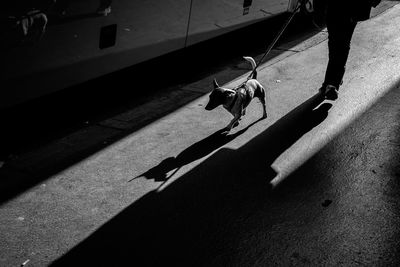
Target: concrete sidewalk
[{"x": 50, "y": 219}]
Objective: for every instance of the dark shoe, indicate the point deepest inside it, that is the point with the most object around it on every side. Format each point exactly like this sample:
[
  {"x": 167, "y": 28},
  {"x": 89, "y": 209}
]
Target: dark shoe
[{"x": 330, "y": 92}]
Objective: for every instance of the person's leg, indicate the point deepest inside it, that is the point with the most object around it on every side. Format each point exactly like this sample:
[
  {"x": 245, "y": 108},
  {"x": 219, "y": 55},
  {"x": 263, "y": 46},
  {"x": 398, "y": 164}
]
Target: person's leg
[
  {"x": 340, "y": 31},
  {"x": 339, "y": 47}
]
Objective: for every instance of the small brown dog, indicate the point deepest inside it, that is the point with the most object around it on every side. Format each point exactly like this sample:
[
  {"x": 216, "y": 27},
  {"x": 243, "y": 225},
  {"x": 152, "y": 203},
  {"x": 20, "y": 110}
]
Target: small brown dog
[{"x": 236, "y": 100}]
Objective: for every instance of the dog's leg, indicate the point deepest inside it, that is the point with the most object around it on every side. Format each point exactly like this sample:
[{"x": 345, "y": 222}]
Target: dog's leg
[
  {"x": 262, "y": 100},
  {"x": 264, "y": 110},
  {"x": 234, "y": 122}
]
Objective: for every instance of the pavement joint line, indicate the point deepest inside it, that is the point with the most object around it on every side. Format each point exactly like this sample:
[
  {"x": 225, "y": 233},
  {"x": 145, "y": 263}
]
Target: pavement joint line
[
  {"x": 191, "y": 88},
  {"x": 113, "y": 118},
  {"x": 266, "y": 12},
  {"x": 290, "y": 50},
  {"x": 109, "y": 126},
  {"x": 194, "y": 87}
]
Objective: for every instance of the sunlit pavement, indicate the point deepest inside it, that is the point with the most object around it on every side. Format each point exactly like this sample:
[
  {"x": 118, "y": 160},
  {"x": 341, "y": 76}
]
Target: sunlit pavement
[{"x": 316, "y": 183}]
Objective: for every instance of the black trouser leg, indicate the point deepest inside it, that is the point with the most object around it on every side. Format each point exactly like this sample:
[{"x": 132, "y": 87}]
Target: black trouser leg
[{"x": 340, "y": 30}]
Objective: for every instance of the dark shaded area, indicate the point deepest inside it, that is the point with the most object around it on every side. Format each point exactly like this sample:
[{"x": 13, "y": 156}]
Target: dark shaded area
[
  {"x": 195, "y": 219},
  {"x": 326, "y": 203},
  {"x": 67, "y": 19},
  {"x": 108, "y": 36}
]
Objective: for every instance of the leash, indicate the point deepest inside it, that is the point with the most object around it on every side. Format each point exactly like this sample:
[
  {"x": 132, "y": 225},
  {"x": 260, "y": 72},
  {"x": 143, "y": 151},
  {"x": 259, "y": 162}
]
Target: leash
[{"x": 301, "y": 3}]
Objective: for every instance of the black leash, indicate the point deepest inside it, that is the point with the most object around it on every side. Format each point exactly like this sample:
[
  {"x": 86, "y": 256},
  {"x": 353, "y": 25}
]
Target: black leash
[{"x": 300, "y": 4}]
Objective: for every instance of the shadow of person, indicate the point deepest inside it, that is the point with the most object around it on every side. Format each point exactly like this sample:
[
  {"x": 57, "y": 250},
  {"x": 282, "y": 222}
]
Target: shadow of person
[
  {"x": 287, "y": 130},
  {"x": 196, "y": 151},
  {"x": 261, "y": 152},
  {"x": 204, "y": 217}
]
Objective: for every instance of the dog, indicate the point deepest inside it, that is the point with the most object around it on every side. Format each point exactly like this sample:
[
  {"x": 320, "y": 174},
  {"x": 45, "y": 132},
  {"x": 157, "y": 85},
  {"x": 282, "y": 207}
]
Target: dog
[{"x": 236, "y": 100}]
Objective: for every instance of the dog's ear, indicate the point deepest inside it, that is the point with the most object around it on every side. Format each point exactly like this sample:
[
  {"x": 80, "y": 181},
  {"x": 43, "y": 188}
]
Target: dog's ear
[{"x": 215, "y": 84}]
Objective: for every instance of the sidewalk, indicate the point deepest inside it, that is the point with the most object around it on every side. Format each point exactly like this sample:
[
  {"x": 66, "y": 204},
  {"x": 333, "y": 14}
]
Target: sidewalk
[{"x": 50, "y": 219}]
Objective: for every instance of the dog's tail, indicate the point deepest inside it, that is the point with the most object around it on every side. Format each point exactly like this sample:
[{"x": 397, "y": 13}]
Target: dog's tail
[{"x": 253, "y": 66}]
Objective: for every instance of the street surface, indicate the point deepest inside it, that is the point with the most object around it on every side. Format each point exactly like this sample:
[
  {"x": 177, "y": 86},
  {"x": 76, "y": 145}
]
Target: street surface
[{"x": 317, "y": 183}]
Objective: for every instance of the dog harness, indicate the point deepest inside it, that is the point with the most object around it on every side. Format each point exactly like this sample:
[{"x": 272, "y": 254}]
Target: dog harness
[{"x": 245, "y": 97}]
